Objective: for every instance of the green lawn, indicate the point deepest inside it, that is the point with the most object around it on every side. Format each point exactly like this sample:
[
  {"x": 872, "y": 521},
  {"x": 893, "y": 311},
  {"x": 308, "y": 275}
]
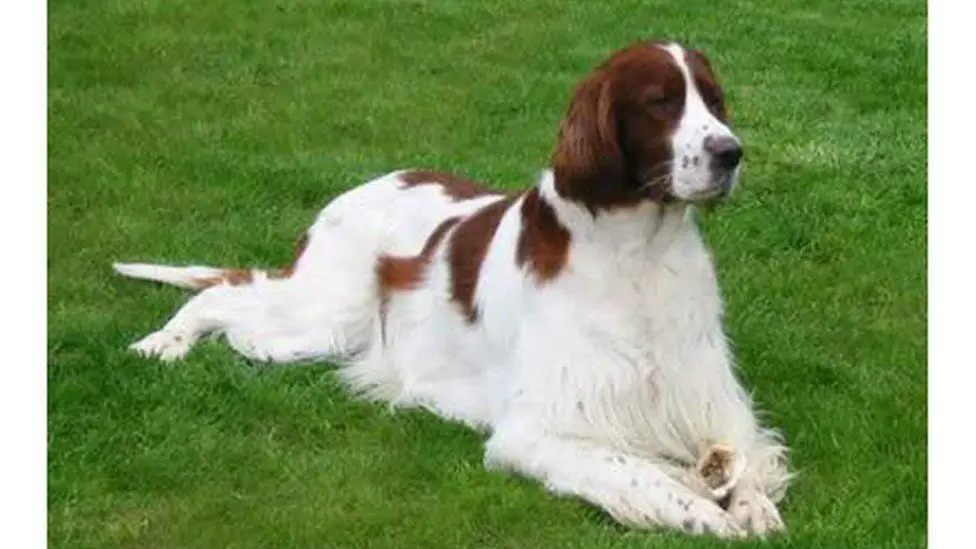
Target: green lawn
[{"x": 214, "y": 131}]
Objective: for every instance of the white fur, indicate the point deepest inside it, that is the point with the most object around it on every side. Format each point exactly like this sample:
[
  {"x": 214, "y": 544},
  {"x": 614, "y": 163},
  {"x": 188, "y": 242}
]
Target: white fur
[
  {"x": 607, "y": 383},
  {"x": 184, "y": 277}
]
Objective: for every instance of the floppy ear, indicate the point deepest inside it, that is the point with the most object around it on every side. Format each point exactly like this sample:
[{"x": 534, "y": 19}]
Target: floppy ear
[
  {"x": 588, "y": 161},
  {"x": 698, "y": 57}
]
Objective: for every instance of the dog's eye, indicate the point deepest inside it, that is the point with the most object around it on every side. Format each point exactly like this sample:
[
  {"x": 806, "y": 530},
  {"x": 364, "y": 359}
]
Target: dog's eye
[
  {"x": 664, "y": 104},
  {"x": 714, "y": 104}
]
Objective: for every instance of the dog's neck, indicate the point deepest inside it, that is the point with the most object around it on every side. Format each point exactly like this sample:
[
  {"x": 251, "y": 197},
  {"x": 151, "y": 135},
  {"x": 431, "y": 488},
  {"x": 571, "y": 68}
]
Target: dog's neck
[{"x": 646, "y": 227}]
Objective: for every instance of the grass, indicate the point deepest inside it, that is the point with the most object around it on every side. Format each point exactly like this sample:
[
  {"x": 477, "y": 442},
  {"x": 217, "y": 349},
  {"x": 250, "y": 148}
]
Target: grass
[{"x": 214, "y": 131}]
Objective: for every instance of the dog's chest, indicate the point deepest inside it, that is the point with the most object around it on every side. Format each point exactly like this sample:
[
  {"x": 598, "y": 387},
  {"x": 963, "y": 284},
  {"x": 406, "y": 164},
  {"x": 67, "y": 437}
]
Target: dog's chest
[
  {"x": 655, "y": 299},
  {"x": 649, "y": 336}
]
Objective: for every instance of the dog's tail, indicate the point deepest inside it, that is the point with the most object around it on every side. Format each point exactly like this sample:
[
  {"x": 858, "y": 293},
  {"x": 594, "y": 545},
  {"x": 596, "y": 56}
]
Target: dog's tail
[
  {"x": 193, "y": 277},
  {"x": 196, "y": 277}
]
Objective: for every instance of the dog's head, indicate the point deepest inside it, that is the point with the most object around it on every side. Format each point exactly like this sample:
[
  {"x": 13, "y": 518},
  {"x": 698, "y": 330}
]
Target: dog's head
[{"x": 648, "y": 124}]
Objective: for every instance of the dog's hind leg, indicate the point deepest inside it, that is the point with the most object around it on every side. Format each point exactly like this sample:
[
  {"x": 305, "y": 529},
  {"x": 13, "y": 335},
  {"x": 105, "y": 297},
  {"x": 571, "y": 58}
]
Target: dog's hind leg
[
  {"x": 212, "y": 310},
  {"x": 295, "y": 319},
  {"x": 268, "y": 320},
  {"x": 306, "y": 315}
]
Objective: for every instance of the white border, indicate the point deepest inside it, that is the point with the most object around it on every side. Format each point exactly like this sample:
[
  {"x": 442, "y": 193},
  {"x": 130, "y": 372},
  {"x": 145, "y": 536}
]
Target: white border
[
  {"x": 23, "y": 402},
  {"x": 952, "y": 190},
  {"x": 23, "y": 224}
]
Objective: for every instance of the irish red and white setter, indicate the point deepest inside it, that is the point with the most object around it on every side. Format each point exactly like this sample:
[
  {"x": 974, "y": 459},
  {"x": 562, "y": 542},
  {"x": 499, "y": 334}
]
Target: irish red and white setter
[{"x": 578, "y": 322}]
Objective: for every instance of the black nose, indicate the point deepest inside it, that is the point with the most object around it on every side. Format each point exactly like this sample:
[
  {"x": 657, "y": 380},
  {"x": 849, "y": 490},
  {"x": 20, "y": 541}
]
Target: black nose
[{"x": 726, "y": 151}]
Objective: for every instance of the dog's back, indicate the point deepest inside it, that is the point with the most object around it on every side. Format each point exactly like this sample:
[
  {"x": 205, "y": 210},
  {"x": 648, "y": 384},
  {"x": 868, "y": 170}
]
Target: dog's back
[{"x": 326, "y": 303}]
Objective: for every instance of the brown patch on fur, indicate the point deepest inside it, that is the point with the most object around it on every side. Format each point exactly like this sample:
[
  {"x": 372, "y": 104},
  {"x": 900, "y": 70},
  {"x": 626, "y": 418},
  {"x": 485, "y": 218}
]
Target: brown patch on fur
[
  {"x": 715, "y": 466},
  {"x": 468, "y": 246},
  {"x": 397, "y": 273},
  {"x": 239, "y": 277},
  {"x": 543, "y": 244},
  {"x": 234, "y": 277},
  {"x": 457, "y": 187},
  {"x": 289, "y": 270},
  {"x": 613, "y": 148}
]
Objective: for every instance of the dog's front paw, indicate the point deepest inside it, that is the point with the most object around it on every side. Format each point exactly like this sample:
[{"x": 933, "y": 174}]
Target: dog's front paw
[
  {"x": 710, "y": 519},
  {"x": 755, "y": 512},
  {"x": 167, "y": 346}
]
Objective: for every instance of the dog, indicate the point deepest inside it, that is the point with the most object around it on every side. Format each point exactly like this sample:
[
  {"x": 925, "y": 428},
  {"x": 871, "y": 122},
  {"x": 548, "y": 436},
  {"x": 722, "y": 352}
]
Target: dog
[{"x": 578, "y": 323}]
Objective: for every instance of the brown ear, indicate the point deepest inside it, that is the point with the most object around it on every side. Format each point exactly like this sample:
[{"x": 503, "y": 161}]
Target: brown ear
[
  {"x": 699, "y": 58},
  {"x": 588, "y": 161},
  {"x": 700, "y": 55}
]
